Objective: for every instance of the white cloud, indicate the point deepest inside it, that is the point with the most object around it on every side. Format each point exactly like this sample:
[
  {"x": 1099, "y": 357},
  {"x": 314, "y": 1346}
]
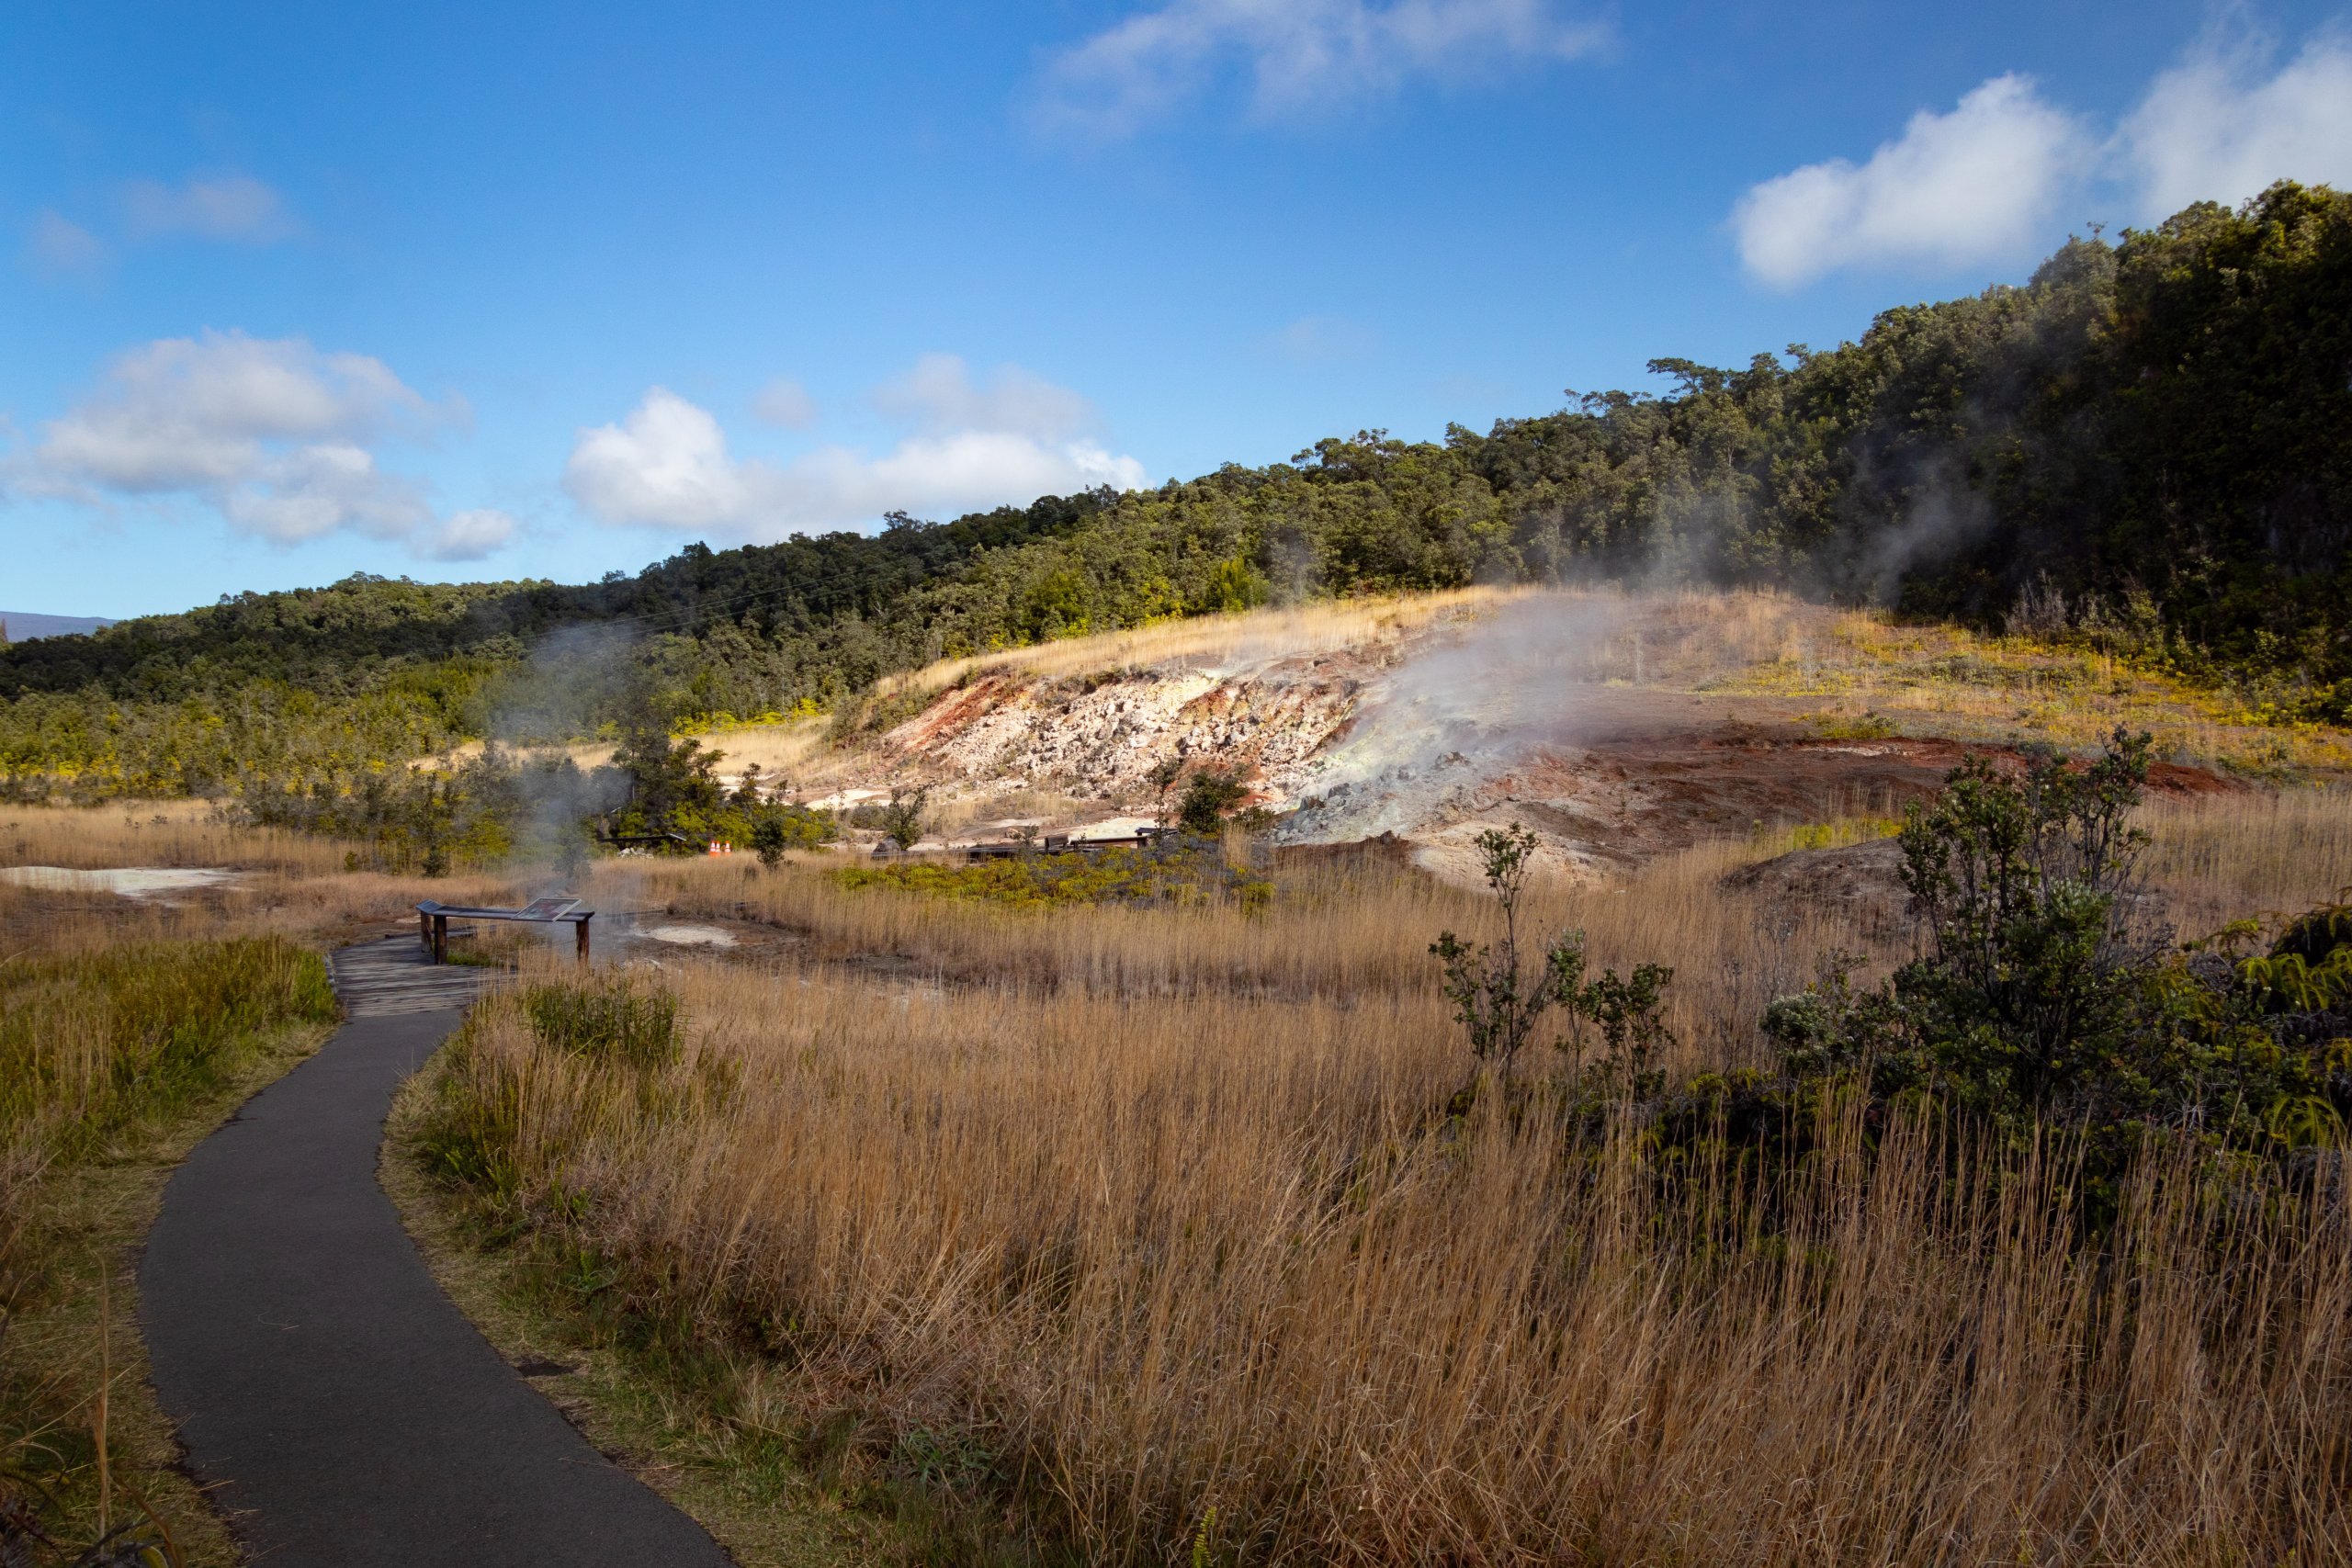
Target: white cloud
[
  {"x": 1984, "y": 182},
  {"x": 231, "y": 206},
  {"x": 59, "y": 248},
  {"x": 1298, "y": 54},
  {"x": 2214, "y": 128},
  {"x": 1319, "y": 340},
  {"x": 185, "y": 413},
  {"x": 313, "y": 490},
  {"x": 940, "y": 392},
  {"x": 275, "y": 435},
  {"x": 785, "y": 402},
  {"x": 467, "y": 535},
  {"x": 1977, "y": 185},
  {"x": 667, "y": 463}
]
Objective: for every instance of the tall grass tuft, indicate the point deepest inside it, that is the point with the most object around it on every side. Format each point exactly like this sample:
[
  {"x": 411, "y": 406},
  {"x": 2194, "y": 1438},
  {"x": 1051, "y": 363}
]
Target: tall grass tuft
[
  {"x": 93, "y": 1041},
  {"x": 613, "y": 1019}
]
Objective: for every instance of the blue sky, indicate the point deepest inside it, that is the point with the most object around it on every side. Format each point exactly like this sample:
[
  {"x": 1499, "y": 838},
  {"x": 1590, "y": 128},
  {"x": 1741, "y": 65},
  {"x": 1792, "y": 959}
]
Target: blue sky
[{"x": 498, "y": 290}]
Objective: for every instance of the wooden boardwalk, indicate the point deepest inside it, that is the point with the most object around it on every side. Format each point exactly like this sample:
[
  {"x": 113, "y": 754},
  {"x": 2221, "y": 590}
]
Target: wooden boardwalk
[{"x": 393, "y": 976}]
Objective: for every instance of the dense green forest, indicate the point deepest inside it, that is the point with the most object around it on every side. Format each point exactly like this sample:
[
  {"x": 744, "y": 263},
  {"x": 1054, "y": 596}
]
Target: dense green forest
[{"x": 2150, "y": 441}]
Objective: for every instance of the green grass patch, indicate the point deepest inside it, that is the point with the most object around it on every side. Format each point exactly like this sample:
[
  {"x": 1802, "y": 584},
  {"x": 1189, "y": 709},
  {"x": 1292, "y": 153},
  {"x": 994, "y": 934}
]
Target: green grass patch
[
  {"x": 1188, "y": 874},
  {"x": 1832, "y": 835},
  {"x": 608, "y": 1018},
  {"x": 1871, "y": 726}
]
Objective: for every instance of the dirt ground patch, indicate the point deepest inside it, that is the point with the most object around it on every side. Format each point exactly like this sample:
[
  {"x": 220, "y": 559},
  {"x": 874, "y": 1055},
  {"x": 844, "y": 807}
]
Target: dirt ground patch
[
  {"x": 1860, "y": 884},
  {"x": 1645, "y": 777},
  {"x": 1619, "y": 728}
]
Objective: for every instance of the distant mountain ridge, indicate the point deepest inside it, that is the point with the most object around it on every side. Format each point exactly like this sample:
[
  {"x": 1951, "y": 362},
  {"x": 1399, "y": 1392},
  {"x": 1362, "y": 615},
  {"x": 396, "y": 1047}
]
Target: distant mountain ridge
[{"x": 22, "y": 626}]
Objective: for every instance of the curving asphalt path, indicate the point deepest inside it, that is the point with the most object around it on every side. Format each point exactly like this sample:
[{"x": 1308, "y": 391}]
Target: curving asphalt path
[{"x": 348, "y": 1414}]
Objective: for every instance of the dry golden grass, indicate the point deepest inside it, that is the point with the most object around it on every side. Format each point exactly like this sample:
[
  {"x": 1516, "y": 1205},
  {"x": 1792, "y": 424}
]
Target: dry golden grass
[
  {"x": 156, "y": 833},
  {"x": 1945, "y": 680},
  {"x": 785, "y": 747},
  {"x": 1219, "y": 1259},
  {"x": 1340, "y": 933},
  {"x": 2224, "y": 857},
  {"x": 1154, "y": 1210},
  {"x": 288, "y": 884},
  {"x": 1303, "y": 628}
]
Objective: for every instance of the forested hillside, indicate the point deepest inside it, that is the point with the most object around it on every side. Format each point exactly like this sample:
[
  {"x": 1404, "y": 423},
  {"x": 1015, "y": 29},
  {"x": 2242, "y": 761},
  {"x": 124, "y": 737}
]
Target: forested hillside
[{"x": 2149, "y": 443}]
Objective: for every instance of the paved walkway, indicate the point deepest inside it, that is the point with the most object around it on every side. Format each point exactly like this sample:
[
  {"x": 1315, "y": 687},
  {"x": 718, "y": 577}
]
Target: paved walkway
[{"x": 350, "y": 1416}]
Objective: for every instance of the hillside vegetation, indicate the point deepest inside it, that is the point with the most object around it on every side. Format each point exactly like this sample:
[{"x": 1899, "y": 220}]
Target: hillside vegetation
[{"x": 2148, "y": 446}]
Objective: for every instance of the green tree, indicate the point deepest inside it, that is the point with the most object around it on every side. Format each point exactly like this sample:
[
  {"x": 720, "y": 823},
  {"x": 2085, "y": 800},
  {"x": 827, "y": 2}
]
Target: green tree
[
  {"x": 1209, "y": 793},
  {"x": 1235, "y": 584},
  {"x": 672, "y": 783},
  {"x": 906, "y": 816},
  {"x": 2033, "y": 978},
  {"x": 1500, "y": 993},
  {"x": 770, "y": 838}
]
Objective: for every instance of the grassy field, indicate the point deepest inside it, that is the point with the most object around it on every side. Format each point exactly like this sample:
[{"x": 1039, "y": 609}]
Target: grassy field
[
  {"x": 1139, "y": 1233},
  {"x": 1029, "y": 1228},
  {"x": 1944, "y": 680}
]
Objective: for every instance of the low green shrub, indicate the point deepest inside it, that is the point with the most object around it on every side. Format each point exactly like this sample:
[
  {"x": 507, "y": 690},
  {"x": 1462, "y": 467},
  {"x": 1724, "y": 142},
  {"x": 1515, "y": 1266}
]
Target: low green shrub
[
  {"x": 1192, "y": 872},
  {"x": 2049, "y": 997},
  {"x": 609, "y": 1020}
]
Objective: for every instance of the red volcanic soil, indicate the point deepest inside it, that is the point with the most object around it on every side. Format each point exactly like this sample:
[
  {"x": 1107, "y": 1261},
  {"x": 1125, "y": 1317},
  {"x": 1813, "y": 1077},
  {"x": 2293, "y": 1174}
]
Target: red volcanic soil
[
  {"x": 1627, "y": 781},
  {"x": 1636, "y": 796}
]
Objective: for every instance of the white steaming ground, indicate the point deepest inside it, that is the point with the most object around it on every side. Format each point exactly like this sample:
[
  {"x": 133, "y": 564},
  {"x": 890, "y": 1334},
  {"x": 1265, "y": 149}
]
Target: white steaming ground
[{"x": 1443, "y": 723}]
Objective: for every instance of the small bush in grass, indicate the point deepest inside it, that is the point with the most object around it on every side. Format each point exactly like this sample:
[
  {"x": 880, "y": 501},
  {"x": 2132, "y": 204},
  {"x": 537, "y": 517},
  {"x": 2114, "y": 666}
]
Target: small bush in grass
[
  {"x": 469, "y": 1137},
  {"x": 1500, "y": 998},
  {"x": 608, "y": 1019},
  {"x": 1870, "y": 725},
  {"x": 1210, "y": 794},
  {"x": 473, "y": 1133},
  {"x": 2042, "y": 1000},
  {"x": 905, "y": 817}
]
